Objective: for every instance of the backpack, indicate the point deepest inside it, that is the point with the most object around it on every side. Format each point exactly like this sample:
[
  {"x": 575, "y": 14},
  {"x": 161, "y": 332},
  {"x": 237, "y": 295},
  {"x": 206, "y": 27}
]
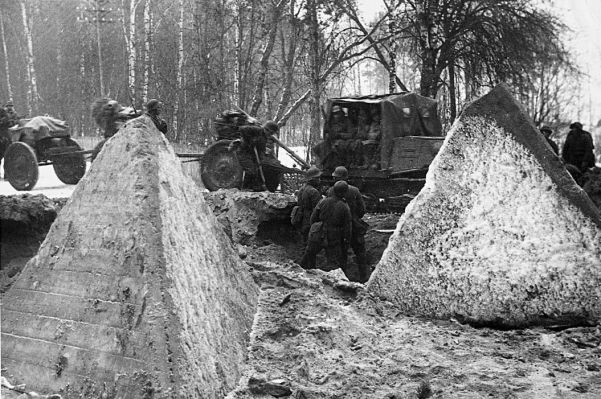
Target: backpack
[{"x": 296, "y": 216}]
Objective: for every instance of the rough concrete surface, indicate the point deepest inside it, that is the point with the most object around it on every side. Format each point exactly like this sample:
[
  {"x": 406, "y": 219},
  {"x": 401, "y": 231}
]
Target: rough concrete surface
[
  {"x": 136, "y": 292},
  {"x": 500, "y": 234}
]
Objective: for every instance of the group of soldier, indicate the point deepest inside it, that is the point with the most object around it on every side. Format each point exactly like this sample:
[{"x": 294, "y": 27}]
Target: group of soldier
[{"x": 333, "y": 223}]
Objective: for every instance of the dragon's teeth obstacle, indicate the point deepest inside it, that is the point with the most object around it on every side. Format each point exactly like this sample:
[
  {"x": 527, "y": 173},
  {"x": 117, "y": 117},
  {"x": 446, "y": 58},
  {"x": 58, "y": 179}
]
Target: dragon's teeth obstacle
[
  {"x": 500, "y": 234},
  {"x": 136, "y": 291}
]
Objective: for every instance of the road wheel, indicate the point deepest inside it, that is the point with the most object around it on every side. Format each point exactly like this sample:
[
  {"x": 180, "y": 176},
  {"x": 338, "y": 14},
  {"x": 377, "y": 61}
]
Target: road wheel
[
  {"x": 220, "y": 168},
  {"x": 69, "y": 168},
  {"x": 21, "y": 166}
]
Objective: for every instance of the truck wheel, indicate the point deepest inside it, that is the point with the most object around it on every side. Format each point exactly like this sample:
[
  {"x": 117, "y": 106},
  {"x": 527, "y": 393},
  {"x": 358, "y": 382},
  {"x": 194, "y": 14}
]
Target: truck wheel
[{"x": 21, "y": 166}]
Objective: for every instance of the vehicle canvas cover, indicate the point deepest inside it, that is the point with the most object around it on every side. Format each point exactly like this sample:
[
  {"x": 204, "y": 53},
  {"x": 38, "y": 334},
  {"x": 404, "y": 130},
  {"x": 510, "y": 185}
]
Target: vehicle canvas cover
[
  {"x": 42, "y": 127},
  {"x": 401, "y": 114}
]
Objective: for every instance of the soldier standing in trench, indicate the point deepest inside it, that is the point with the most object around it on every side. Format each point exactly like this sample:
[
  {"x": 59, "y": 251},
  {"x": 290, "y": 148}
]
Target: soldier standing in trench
[
  {"x": 354, "y": 199},
  {"x": 307, "y": 199},
  {"x": 330, "y": 230}
]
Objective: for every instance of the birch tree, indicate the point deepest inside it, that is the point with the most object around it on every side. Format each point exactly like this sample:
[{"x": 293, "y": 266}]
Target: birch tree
[
  {"x": 180, "y": 71},
  {"x": 32, "y": 89},
  {"x": 5, "y": 54},
  {"x": 129, "y": 34},
  {"x": 272, "y": 29},
  {"x": 147, "y": 49}
]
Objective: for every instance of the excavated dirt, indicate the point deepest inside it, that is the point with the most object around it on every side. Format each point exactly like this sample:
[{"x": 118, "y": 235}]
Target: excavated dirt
[
  {"x": 319, "y": 336},
  {"x": 313, "y": 337},
  {"x": 24, "y": 222}
]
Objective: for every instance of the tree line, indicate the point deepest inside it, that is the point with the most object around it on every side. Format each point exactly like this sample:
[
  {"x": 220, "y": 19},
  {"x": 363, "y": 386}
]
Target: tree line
[{"x": 276, "y": 59}]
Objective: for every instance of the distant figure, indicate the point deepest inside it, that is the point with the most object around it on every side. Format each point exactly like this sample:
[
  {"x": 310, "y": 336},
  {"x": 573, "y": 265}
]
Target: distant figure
[
  {"x": 340, "y": 124},
  {"x": 578, "y": 148},
  {"x": 330, "y": 230},
  {"x": 547, "y": 132},
  {"x": 307, "y": 199},
  {"x": 109, "y": 116},
  {"x": 5, "y": 140},
  {"x": 13, "y": 117},
  {"x": 354, "y": 200},
  {"x": 153, "y": 110}
]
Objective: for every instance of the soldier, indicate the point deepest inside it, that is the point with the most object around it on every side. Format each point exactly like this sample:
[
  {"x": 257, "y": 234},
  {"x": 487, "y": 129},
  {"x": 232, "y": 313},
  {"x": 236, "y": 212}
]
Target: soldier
[
  {"x": 307, "y": 199},
  {"x": 5, "y": 123},
  {"x": 354, "y": 199},
  {"x": 272, "y": 167},
  {"x": 547, "y": 132},
  {"x": 250, "y": 148},
  {"x": 271, "y": 130},
  {"x": 578, "y": 148},
  {"x": 330, "y": 230},
  {"x": 13, "y": 117},
  {"x": 153, "y": 110}
]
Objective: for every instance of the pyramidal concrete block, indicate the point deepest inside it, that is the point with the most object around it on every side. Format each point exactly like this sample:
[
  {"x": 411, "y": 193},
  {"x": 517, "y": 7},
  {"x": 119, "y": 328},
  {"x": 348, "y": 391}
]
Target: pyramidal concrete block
[
  {"x": 136, "y": 292},
  {"x": 500, "y": 234}
]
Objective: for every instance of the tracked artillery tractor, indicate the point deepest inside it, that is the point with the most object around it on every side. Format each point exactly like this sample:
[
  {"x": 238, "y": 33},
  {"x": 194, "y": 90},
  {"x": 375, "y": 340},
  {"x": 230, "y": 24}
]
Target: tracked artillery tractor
[
  {"x": 386, "y": 142},
  {"x": 42, "y": 140}
]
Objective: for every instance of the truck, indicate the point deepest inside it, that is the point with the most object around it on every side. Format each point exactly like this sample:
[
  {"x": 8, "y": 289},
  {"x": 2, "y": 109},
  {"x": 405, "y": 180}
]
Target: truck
[{"x": 386, "y": 142}]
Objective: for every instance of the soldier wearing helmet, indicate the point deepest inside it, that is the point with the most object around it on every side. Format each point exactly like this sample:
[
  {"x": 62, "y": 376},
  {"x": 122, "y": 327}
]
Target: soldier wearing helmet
[
  {"x": 330, "y": 230},
  {"x": 153, "y": 110},
  {"x": 354, "y": 199},
  {"x": 271, "y": 129}
]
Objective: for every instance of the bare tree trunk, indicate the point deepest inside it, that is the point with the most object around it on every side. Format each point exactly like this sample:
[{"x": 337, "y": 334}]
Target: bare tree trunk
[
  {"x": 147, "y": 44},
  {"x": 452, "y": 92},
  {"x": 180, "y": 70},
  {"x": 129, "y": 34},
  {"x": 282, "y": 121},
  {"x": 99, "y": 49},
  {"x": 32, "y": 90},
  {"x": 392, "y": 71},
  {"x": 238, "y": 44},
  {"x": 289, "y": 61},
  {"x": 315, "y": 111},
  {"x": 5, "y": 53},
  {"x": 273, "y": 28}
]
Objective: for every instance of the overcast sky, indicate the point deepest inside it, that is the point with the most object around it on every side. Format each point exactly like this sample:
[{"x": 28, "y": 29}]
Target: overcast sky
[{"x": 584, "y": 18}]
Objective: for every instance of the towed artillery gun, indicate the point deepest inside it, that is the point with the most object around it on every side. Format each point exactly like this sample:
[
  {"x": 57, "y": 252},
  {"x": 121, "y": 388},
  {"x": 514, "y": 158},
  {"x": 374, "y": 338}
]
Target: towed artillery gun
[
  {"x": 221, "y": 168},
  {"x": 42, "y": 140},
  {"x": 386, "y": 142}
]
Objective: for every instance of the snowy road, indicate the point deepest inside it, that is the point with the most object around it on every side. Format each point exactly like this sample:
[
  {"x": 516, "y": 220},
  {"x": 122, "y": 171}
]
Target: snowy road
[{"x": 48, "y": 184}]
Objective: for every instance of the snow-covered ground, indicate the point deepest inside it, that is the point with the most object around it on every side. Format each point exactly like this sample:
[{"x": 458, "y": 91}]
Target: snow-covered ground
[
  {"x": 287, "y": 160},
  {"x": 48, "y": 184}
]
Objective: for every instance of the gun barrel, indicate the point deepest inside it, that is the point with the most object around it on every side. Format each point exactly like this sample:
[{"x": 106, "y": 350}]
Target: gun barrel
[{"x": 298, "y": 159}]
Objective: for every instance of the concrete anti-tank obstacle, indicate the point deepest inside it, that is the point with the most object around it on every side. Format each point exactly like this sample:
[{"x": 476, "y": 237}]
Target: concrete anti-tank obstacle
[
  {"x": 136, "y": 291},
  {"x": 500, "y": 234}
]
